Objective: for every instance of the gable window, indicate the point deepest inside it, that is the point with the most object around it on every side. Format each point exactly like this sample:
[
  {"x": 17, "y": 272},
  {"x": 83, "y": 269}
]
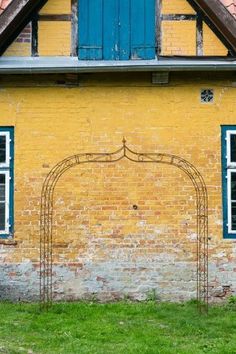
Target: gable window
[
  {"x": 6, "y": 182},
  {"x": 229, "y": 180},
  {"x": 116, "y": 29}
]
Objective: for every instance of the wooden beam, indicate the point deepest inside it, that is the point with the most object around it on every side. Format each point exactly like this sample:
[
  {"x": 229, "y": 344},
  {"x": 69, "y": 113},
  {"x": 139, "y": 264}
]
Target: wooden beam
[
  {"x": 179, "y": 17},
  {"x": 158, "y": 27},
  {"x": 74, "y": 28},
  {"x": 199, "y": 36},
  {"x": 34, "y": 37},
  {"x": 54, "y": 17}
]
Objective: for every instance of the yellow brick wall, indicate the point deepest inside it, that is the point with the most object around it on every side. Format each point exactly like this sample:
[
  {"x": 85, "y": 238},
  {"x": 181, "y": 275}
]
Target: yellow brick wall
[
  {"x": 178, "y": 38},
  {"x": 56, "y": 7},
  {"x": 176, "y": 7},
  {"x": 95, "y": 221},
  {"x": 18, "y": 50},
  {"x": 58, "y": 36},
  {"x": 52, "y": 123},
  {"x": 211, "y": 44},
  {"x": 94, "y": 216}
]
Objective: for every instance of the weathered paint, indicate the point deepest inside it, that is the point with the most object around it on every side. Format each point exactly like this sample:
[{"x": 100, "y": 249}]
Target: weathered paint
[
  {"x": 116, "y": 30},
  {"x": 104, "y": 247}
]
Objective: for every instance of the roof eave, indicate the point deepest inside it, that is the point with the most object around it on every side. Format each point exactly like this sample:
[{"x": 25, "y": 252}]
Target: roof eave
[{"x": 54, "y": 65}]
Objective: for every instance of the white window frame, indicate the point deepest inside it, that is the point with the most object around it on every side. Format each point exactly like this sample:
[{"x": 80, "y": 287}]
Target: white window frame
[
  {"x": 228, "y": 153},
  {"x": 8, "y": 140},
  {"x": 7, "y": 202},
  {"x": 231, "y": 167}
]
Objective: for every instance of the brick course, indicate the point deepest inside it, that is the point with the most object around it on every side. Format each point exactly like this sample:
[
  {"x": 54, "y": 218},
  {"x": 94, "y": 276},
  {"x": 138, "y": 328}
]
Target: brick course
[{"x": 104, "y": 247}]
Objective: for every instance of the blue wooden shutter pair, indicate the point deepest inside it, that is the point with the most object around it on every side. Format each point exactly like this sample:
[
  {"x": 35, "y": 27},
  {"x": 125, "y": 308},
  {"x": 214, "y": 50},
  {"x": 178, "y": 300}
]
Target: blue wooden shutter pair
[{"x": 116, "y": 29}]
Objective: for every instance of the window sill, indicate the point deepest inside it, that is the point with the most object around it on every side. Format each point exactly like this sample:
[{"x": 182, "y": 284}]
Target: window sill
[{"x": 8, "y": 242}]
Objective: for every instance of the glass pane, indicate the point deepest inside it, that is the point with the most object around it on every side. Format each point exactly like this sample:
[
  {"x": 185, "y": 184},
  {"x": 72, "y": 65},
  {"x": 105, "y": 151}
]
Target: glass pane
[
  {"x": 2, "y": 187},
  {"x": 233, "y": 216},
  {"x": 2, "y": 193},
  {"x": 2, "y": 178},
  {"x": 233, "y": 185},
  {"x": 2, "y": 149},
  {"x": 2, "y": 216},
  {"x": 233, "y": 147}
]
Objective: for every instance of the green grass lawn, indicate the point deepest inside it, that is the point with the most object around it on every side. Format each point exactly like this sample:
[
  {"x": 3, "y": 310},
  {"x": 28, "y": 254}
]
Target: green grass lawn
[{"x": 116, "y": 328}]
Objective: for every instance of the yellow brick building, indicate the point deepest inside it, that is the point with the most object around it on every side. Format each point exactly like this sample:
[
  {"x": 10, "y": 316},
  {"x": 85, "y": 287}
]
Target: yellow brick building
[{"x": 120, "y": 229}]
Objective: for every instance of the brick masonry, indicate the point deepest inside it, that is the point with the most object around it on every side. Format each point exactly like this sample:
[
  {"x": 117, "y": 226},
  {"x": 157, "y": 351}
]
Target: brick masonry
[
  {"x": 25, "y": 35},
  {"x": 120, "y": 230}
]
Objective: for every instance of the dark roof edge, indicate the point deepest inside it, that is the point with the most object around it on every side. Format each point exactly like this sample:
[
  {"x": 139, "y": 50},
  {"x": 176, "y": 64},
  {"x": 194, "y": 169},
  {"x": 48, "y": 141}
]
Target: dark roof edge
[
  {"x": 53, "y": 65},
  {"x": 15, "y": 17},
  {"x": 220, "y": 17}
]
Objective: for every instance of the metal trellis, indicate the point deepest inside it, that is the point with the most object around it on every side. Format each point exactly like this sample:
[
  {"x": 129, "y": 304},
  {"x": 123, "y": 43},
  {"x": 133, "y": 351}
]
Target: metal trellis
[{"x": 46, "y": 215}]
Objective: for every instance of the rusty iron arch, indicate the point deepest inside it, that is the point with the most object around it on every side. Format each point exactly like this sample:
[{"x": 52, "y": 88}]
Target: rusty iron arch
[{"x": 46, "y": 213}]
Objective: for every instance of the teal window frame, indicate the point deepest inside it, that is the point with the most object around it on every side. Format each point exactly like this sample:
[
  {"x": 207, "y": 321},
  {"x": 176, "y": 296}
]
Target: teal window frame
[
  {"x": 9, "y": 170},
  {"x": 227, "y": 168}
]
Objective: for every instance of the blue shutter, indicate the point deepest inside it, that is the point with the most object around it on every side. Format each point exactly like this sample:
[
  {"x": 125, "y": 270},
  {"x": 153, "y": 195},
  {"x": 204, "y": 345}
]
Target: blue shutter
[
  {"x": 111, "y": 30},
  {"x": 90, "y": 29},
  {"x": 142, "y": 29},
  {"x": 124, "y": 30},
  {"x": 116, "y": 29}
]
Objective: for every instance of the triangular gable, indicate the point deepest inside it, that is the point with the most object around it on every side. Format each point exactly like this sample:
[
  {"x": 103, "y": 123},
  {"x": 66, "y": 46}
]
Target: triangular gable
[
  {"x": 220, "y": 19},
  {"x": 14, "y": 18},
  {"x": 214, "y": 12}
]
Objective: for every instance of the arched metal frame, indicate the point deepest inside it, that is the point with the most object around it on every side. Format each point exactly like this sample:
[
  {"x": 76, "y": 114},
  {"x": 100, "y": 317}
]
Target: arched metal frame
[{"x": 46, "y": 215}]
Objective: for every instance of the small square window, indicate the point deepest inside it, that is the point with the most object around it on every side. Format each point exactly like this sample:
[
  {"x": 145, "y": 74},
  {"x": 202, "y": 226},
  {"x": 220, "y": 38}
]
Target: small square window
[{"x": 207, "y": 95}]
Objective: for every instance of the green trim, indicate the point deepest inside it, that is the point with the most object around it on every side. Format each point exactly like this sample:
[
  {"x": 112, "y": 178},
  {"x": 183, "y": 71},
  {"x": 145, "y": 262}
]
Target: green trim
[
  {"x": 224, "y": 129},
  {"x": 11, "y": 184}
]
